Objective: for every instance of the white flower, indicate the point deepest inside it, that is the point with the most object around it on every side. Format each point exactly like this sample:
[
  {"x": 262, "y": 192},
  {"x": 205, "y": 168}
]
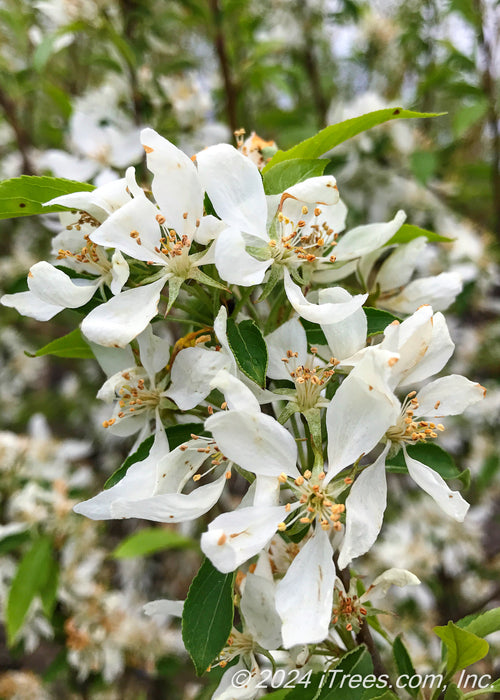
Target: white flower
[
  {"x": 161, "y": 237},
  {"x": 50, "y": 289},
  {"x": 365, "y": 411}
]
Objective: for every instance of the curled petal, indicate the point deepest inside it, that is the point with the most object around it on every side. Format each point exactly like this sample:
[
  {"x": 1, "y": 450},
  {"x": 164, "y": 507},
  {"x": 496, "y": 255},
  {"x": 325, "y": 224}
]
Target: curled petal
[
  {"x": 304, "y": 597},
  {"x": 320, "y": 313},
  {"x": 364, "y": 239},
  {"x": 28, "y": 304},
  {"x": 234, "y": 537},
  {"x": 192, "y": 372},
  {"x": 448, "y": 396},
  {"x": 53, "y": 286},
  {"x": 234, "y": 264},
  {"x": 123, "y": 317},
  {"x": 235, "y": 188},
  {"x": 432, "y": 483},
  {"x": 365, "y": 507},
  {"x": 255, "y": 441}
]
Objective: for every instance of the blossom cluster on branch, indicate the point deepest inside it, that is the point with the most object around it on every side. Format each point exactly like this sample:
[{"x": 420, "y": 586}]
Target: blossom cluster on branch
[{"x": 291, "y": 372}]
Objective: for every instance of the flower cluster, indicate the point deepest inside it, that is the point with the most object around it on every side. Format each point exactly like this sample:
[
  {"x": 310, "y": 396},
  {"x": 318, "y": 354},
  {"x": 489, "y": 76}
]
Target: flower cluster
[{"x": 281, "y": 375}]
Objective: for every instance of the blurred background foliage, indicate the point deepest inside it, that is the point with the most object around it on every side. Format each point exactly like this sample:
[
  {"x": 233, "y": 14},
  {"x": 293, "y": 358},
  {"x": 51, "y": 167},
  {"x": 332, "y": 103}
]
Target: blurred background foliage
[{"x": 78, "y": 79}]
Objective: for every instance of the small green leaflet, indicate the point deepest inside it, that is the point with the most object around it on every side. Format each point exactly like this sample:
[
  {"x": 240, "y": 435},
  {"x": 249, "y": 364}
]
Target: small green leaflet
[
  {"x": 404, "y": 665},
  {"x": 482, "y": 623},
  {"x": 335, "y": 134},
  {"x": 208, "y": 613},
  {"x": 25, "y": 195},
  {"x": 249, "y": 349},
  {"x": 283, "y": 175},
  {"x": 463, "y": 648},
  {"x": 408, "y": 232},
  {"x": 29, "y": 580},
  {"x": 71, "y": 345},
  {"x": 378, "y": 320},
  {"x": 151, "y": 540}
]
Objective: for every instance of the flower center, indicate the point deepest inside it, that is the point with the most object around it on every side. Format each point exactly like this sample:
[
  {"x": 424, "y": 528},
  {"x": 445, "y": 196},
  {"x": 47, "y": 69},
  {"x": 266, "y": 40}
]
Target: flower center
[
  {"x": 408, "y": 428},
  {"x": 309, "y": 380},
  {"x": 315, "y": 501},
  {"x": 133, "y": 398},
  {"x": 347, "y": 611},
  {"x": 238, "y": 643},
  {"x": 302, "y": 241}
]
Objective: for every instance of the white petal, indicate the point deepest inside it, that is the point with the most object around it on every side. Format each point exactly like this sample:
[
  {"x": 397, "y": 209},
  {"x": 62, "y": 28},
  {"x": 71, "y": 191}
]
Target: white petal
[
  {"x": 53, "y": 286},
  {"x": 235, "y": 188},
  {"x": 259, "y": 612},
  {"x": 113, "y": 360},
  {"x": 439, "y": 291},
  {"x": 154, "y": 352},
  {"x": 164, "y": 607},
  {"x": 319, "y": 190},
  {"x": 438, "y": 352},
  {"x": 348, "y": 336},
  {"x": 304, "y": 597},
  {"x": 398, "y": 268},
  {"x": 238, "y": 396},
  {"x": 231, "y": 688},
  {"x": 364, "y": 239},
  {"x": 411, "y": 339},
  {"x": 432, "y": 483},
  {"x": 28, "y": 304},
  {"x": 100, "y": 202},
  {"x": 192, "y": 371},
  {"x": 209, "y": 229},
  {"x": 172, "y": 507},
  {"x": 256, "y": 442},
  {"x": 448, "y": 396},
  {"x": 234, "y": 264},
  {"x": 361, "y": 411},
  {"x": 365, "y": 507},
  {"x": 320, "y": 313},
  {"x": 119, "y": 271},
  {"x": 123, "y": 317},
  {"x": 394, "y": 577},
  {"x": 176, "y": 185},
  {"x": 136, "y": 217},
  {"x": 234, "y": 537},
  {"x": 137, "y": 483},
  {"x": 289, "y": 336}
]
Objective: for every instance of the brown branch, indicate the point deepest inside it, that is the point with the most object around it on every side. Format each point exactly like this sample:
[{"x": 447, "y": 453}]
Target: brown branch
[
  {"x": 489, "y": 88},
  {"x": 225, "y": 68},
  {"x": 22, "y": 137}
]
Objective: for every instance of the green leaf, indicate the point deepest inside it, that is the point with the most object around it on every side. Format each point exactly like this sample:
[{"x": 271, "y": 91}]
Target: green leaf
[
  {"x": 408, "y": 232},
  {"x": 430, "y": 454},
  {"x": 208, "y": 613},
  {"x": 283, "y": 175},
  {"x": 423, "y": 165},
  {"x": 335, "y": 134},
  {"x": 404, "y": 664},
  {"x": 71, "y": 345},
  {"x": 378, "y": 320},
  {"x": 13, "y": 541},
  {"x": 25, "y": 195},
  {"x": 357, "y": 661},
  {"x": 138, "y": 456},
  {"x": 48, "y": 592},
  {"x": 249, "y": 349},
  {"x": 178, "y": 434},
  {"x": 467, "y": 116},
  {"x": 279, "y": 694},
  {"x": 150, "y": 540},
  {"x": 463, "y": 648},
  {"x": 314, "y": 333},
  {"x": 482, "y": 623},
  {"x": 29, "y": 579},
  {"x": 453, "y": 692}
]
